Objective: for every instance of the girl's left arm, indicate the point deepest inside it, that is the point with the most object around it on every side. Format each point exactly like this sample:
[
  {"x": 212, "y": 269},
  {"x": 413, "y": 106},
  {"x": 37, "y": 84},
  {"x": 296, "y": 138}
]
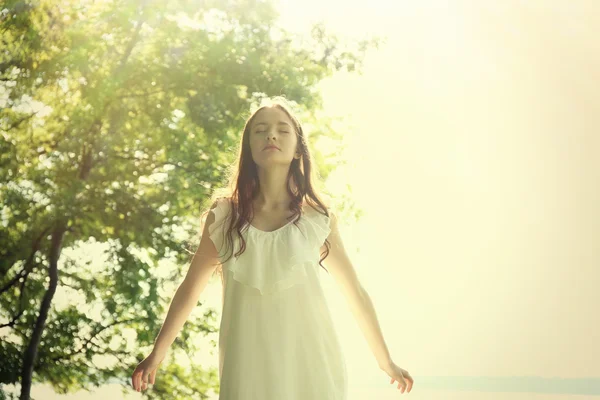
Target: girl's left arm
[{"x": 339, "y": 265}]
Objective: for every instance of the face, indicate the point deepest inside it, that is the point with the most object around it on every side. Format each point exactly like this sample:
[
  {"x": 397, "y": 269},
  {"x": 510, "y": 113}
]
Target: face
[{"x": 271, "y": 126}]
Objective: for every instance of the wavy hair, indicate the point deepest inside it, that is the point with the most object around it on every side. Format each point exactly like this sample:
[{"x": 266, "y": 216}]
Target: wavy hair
[{"x": 243, "y": 183}]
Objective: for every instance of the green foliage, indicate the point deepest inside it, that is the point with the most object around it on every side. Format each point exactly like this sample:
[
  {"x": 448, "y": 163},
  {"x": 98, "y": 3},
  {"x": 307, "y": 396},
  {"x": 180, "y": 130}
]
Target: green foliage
[{"x": 118, "y": 117}]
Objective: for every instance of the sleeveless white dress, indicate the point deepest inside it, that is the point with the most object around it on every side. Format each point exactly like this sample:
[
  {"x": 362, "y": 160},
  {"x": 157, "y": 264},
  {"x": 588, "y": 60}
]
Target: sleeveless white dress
[{"x": 277, "y": 340}]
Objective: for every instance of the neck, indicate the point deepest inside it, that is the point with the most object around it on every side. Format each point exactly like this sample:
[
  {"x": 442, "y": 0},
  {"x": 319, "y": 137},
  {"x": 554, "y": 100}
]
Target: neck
[{"x": 273, "y": 193}]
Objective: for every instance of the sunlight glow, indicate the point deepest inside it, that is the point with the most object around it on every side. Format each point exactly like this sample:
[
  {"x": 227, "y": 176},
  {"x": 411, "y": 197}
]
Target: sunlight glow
[{"x": 473, "y": 153}]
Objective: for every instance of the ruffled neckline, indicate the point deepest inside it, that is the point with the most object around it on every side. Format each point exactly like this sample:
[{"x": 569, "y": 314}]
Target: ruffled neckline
[
  {"x": 273, "y": 260},
  {"x": 255, "y": 229}
]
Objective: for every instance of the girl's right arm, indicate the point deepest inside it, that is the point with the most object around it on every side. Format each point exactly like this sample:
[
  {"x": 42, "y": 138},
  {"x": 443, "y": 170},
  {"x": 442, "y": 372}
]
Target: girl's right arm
[{"x": 186, "y": 297}]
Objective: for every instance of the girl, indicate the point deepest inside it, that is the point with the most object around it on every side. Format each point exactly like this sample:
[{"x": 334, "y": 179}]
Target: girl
[{"x": 276, "y": 337}]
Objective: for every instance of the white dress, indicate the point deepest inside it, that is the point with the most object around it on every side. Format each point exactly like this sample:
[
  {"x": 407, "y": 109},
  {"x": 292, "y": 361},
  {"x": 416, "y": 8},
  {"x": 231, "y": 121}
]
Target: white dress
[{"x": 277, "y": 340}]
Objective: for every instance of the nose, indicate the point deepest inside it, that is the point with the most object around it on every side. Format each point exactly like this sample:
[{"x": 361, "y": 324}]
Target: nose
[{"x": 271, "y": 136}]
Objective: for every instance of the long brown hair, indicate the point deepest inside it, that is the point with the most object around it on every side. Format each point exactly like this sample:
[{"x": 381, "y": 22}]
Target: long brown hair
[{"x": 243, "y": 183}]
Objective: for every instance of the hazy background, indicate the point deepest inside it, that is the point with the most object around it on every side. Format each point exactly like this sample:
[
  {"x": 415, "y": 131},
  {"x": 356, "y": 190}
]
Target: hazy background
[{"x": 474, "y": 155}]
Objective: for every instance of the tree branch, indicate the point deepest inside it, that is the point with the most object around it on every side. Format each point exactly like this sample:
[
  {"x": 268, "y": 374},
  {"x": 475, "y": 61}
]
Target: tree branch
[
  {"x": 144, "y": 94},
  {"x": 18, "y": 122},
  {"x": 28, "y": 264},
  {"x": 16, "y": 317},
  {"x": 93, "y": 335}
]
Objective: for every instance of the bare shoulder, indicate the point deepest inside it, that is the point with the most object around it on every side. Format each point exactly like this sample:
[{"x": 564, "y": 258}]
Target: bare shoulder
[{"x": 221, "y": 203}]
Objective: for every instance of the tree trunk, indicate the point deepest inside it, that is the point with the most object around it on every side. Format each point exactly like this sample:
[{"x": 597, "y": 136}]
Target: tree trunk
[{"x": 32, "y": 348}]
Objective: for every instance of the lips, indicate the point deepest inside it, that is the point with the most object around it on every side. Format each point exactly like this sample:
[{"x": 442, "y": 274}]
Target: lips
[{"x": 271, "y": 147}]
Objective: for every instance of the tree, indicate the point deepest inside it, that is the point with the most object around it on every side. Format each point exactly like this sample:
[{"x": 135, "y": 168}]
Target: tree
[{"x": 118, "y": 119}]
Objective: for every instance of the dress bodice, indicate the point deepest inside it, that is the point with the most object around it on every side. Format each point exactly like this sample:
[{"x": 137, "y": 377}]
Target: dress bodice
[{"x": 272, "y": 260}]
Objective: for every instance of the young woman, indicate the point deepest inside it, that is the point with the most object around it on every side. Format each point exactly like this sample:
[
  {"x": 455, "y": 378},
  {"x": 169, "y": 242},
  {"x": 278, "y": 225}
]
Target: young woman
[{"x": 276, "y": 337}]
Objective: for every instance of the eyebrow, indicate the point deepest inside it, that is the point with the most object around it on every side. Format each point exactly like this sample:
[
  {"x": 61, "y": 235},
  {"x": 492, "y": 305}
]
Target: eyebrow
[{"x": 278, "y": 123}]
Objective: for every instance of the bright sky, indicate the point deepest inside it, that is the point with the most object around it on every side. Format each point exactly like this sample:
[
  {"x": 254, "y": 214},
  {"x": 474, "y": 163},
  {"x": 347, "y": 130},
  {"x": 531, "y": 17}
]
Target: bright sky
[{"x": 473, "y": 142}]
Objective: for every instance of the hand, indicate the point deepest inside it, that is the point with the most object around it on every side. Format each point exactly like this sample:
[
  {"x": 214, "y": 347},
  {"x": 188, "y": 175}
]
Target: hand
[
  {"x": 400, "y": 375},
  {"x": 147, "y": 368}
]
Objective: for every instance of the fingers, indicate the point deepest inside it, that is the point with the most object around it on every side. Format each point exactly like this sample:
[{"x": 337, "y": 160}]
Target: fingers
[
  {"x": 136, "y": 379},
  {"x": 145, "y": 380},
  {"x": 410, "y": 382},
  {"x": 139, "y": 380},
  {"x": 142, "y": 376},
  {"x": 401, "y": 385},
  {"x": 405, "y": 383}
]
